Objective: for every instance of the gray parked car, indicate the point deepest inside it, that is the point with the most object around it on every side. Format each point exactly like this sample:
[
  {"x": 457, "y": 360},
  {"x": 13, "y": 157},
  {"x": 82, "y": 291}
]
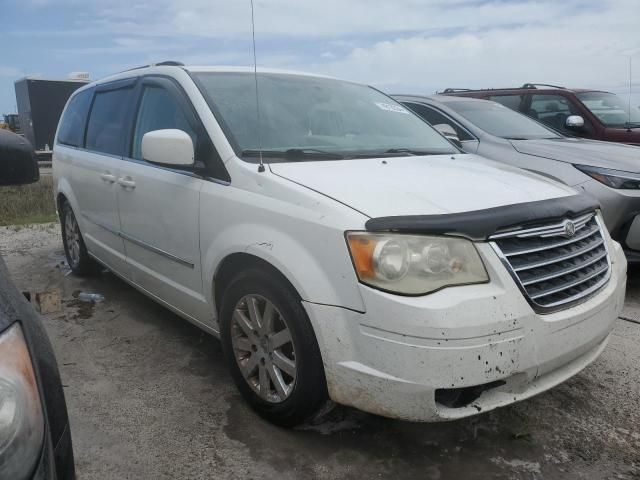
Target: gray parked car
[{"x": 610, "y": 172}]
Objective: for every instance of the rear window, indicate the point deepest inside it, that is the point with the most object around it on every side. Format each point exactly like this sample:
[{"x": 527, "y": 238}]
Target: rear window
[
  {"x": 73, "y": 121},
  {"x": 106, "y": 128},
  {"x": 501, "y": 121}
]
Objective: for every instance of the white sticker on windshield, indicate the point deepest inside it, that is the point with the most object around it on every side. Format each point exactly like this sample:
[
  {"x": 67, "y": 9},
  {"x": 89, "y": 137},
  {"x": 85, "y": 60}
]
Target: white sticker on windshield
[{"x": 391, "y": 108}]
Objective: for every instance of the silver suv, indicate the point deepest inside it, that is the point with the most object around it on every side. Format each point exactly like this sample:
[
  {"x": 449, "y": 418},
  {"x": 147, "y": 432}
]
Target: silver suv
[{"x": 610, "y": 172}]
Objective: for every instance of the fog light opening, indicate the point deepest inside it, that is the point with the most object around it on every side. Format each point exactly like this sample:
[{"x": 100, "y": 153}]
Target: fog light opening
[{"x": 462, "y": 397}]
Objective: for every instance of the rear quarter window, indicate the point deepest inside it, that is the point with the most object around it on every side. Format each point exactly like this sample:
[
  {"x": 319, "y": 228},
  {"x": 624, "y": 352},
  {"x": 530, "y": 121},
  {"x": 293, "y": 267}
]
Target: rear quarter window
[
  {"x": 71, "y": 131},
  {"x": 106, "y": 130}
]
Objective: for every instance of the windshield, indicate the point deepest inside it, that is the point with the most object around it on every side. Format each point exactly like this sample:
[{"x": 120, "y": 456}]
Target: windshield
[
  {"x": 610, "y": 109},
  {"x": 501, "y": 121},
  {"x": 311, "y": 118}
]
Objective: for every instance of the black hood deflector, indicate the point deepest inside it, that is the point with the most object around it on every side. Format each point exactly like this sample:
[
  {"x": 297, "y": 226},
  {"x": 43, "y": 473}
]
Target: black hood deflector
[{"x": 481, "y": 224}]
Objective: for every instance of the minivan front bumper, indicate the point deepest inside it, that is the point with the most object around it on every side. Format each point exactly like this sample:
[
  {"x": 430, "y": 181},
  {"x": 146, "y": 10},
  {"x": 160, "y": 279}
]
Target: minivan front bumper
[{"x": 392, "y": 359}]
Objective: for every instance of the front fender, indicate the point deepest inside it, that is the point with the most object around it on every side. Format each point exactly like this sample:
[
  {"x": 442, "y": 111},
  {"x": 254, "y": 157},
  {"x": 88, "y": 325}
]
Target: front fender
[{"x": 317, "y": 264}]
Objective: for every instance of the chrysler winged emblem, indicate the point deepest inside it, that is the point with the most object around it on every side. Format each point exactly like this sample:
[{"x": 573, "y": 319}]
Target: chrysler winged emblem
[{"x": 569, "y": 228}]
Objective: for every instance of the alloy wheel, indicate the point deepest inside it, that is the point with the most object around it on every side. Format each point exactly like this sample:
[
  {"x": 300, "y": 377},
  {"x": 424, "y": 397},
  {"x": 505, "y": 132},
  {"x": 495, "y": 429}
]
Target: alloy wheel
[
  {"x": 263, "y": 348},
  {"x": 72, "y": 237}
]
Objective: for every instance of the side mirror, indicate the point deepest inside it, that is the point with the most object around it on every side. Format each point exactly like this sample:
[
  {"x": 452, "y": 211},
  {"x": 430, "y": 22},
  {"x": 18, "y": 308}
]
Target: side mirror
[
  {"x": 574, "y": 122},
  {"x": 449, "y": 132},
  {"x": 168, "y": 147},
  {"x": 18, "y": 161}
]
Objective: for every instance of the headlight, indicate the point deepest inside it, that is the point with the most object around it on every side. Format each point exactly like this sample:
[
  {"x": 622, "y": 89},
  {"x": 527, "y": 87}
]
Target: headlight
[
  {"x": 21, "y": 420},
  {"x": 612, "y": 178},
  {"x": 414, "y": 264}
]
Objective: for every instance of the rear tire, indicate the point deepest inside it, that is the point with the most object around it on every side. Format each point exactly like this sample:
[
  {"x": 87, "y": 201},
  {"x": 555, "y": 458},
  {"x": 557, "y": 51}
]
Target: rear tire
[
  {"x": 271, "y": 349},
  {"x": 74, "y": 248}
]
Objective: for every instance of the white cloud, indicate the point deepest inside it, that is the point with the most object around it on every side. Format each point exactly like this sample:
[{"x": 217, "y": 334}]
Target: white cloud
[
  {"x": 582, "y": 50},
  {"x": 402, "y": 44},
  {"x": 330, "y": 19},
  {"x": 339, "y": 18}
]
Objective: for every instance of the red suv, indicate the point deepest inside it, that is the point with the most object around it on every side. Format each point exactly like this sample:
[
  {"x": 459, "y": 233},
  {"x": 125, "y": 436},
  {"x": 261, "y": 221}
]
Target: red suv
[{"x": 576, "y": 112}]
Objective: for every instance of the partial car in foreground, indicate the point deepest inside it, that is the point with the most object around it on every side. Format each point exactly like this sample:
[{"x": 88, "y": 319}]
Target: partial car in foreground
[
  {"x": 610, "y": 172},
  {"x": 339, "y": 246},
  {"x": 35, "y": 440}
]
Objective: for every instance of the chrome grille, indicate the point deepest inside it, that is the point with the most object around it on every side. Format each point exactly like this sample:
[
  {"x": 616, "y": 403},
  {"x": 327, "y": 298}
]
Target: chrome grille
[{"x": 554, "y": 265}]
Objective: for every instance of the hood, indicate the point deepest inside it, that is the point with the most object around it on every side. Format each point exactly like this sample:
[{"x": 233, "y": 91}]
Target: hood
[
  {"x": 424, "y": 185},
  {"x": 617, "y": 156}
]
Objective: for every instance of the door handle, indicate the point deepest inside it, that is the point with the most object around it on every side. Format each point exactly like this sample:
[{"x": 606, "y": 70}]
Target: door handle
[
  {"x": 127, "y": 182},
  {"x": 107, "y": 177}
]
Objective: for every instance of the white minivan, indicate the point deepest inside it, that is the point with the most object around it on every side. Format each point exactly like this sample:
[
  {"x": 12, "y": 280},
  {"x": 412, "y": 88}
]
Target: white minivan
[{"x": 340, "y": 247}]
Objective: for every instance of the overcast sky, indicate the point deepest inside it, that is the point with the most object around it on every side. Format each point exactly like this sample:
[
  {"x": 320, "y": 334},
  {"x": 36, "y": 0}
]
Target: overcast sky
[{"x": 400, "y": 46}]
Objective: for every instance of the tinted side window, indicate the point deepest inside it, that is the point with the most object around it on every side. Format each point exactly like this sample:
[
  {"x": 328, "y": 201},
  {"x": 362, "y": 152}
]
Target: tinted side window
[
  {"x": 434, "y": 117},
  {"x": 552, "y": 110},
  {"x": 106, "y": 128},
  {"x": 511, "y": 101},
  {"x": 158, "y": 111},
  {"x": 71, "y": 131}
]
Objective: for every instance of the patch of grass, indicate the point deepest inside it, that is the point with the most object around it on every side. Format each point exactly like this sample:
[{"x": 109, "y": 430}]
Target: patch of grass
[{"x": 28, "y": 203}]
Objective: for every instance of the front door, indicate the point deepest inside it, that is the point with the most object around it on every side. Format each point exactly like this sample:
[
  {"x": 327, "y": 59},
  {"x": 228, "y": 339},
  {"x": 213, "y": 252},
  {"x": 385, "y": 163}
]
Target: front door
[{"x": 159, "y": 207}]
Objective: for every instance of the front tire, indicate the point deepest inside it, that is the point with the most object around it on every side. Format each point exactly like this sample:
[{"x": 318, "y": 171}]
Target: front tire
[
  {"x": 74, "y": 248},
  {"x": 271, "y": 348}
]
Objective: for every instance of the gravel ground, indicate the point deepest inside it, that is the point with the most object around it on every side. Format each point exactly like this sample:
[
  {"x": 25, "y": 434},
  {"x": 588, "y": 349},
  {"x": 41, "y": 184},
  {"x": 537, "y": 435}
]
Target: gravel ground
[{"x": 149, "y": 398}]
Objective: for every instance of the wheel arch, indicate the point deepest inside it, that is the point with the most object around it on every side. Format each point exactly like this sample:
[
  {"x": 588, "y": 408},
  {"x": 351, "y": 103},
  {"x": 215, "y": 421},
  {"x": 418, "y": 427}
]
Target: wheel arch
[
  {"x": 61, "y": 199},
  {"x": 315, "y": 264},
  {"x": 238, "y": 262},
  {"x": 64, "y": 193}
]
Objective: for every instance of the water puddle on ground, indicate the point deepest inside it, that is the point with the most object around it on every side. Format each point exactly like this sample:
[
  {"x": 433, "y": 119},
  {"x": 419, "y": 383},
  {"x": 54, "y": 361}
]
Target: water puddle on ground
[{"x": 84, "y": 310}]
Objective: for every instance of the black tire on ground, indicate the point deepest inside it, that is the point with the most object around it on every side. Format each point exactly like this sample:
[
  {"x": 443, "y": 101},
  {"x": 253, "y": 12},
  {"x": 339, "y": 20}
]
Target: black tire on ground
[
  {"x": 309, "y": 393},
  {"x": 83, "y": 264}
]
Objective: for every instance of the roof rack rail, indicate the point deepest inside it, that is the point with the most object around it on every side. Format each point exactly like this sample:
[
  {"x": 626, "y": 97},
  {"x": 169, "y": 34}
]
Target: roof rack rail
[
  {"x": 169, "y": 63},
  {"x": 535, "y": 85},
  {"x": 523, "y": 87},
  {"x": 166, "y": 63},
  {"x": 453, "y": 90}
]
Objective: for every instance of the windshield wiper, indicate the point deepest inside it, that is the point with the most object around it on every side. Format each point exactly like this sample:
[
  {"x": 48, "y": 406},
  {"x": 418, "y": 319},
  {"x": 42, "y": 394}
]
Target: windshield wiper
[
  {"x": 294, "y": 154},
  {"x": 314, "y": 152},
  {"x": 410, "y": 151},
  {"x": 401, "y": 150},
  {"x": 632, "y": 124}
]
